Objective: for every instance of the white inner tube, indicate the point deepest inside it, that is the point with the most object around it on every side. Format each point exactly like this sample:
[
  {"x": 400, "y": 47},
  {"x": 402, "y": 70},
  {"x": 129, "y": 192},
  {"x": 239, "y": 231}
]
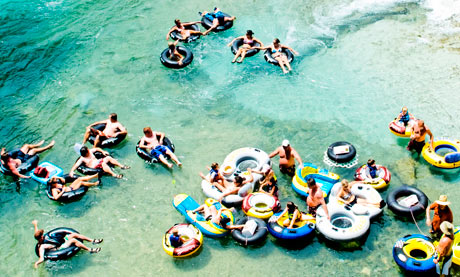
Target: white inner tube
[{"x": 262, "y": 201}]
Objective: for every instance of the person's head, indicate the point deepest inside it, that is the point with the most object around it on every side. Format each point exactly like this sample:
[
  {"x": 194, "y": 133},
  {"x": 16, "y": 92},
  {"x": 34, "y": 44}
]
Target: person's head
[
  {"x": 421, "y": 123},
  {"x": 371, "y": 163},
  {"x": 52, "y": 182},
  {"x": 177, "y": 22},
  {"x": 345, "y": 184},
  {"x": 447, "y": 229},
  {"x": 172, "y": 46},
  {"x": 38, "y": 235},
  {"x": 148, "y": 131},
  {"x": 443, "y": 202},
  {"x": 404, "y": 110},
  {"x": 286, "y": 144},
  {"x": 113, "y": 117},
  {"x": 311, "y": 183},
  {"x": 84, "y": 151},
  {"x": 224, "y": 221},
  {"x": 249, "y": 33},
  {"x": 175, "y": 233},
  {"x": 291, "y": 207},
  {"x": 238, "y": 180},
  {"x": 276, "y": 42},
  {"x": 215, "y": 166},
  {"x": 5, "y": 158}
]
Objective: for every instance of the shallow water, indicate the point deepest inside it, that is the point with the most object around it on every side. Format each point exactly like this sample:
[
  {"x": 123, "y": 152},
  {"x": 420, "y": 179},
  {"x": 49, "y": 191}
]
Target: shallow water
[{"x": 67, "y": 64}]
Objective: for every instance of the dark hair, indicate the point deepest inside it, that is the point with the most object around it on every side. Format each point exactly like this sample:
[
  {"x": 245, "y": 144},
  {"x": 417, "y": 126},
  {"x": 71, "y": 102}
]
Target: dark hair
[
  {"x": 370, "y": 162},
  {"x": 39, "y": 235},
  {"x": 311, "y": 182},
  {"x": 5, "y": 157},
  {"x": 277, "y": 40},
  {"x": 249, "y": 32},
  {"x": 223, "y": 221},
  {"x": 84, "y": 151},
  {"x": 291, "y": 207},
  {"x": 177, "y": 21},
  {"x": 214, "y": 165},
  {"x": 147, "y": 130},
  {"x": 113, "y": 116},
  {"x": 171, "y": 46},
  {"x": 238, "y": 179}
]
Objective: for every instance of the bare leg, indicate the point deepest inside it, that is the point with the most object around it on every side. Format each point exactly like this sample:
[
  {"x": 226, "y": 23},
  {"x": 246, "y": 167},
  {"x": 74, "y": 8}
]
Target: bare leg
[
  {"x": 26, "y": 147},
  {"x": 243, "y": 54},
  {"x": 286, "y": 62},
  {"x": 86, "y": 136},
  {"x": 286, "y": 222},
  {"x": 108, "y": 170},
  {"x": 173, "y": 157},
  {"x": 79, "y": 236},
  {"x": 219, "y": 186},
  {"x": 34, "y": 150},
  {"x": 96, "y": 141},
  {"x": 111, "y": 160},
  {"x": 294, "y": 218},
  {"x": 238, "y": 53},
  {"x": 87, "y": 178},
  {"x": 199, "y": 208},
  {"x": 164, "y": 161}
]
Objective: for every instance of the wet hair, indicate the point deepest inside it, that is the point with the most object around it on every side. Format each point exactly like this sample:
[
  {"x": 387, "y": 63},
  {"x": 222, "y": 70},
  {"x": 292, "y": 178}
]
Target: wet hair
[
  {"x": 291, "y": 207},
  {"x": 249, "y": 32},
  {"x": 113, "y": 117},
  {"x": 223, "y": 221},
  {"x": 238, "y": 180},
  {"x": 177, "y": 22},
  {"x": 171, "y": 46},
  {"x": 5, "y": 157},
  {"x": 276, "y": 40},
  {"x": 370, "y": 162},
  {"x": 311, "y": 182},
  {"x": 39, "y": 235},
  {"x": 84, "y": 151},
  {"x": 214, "y": 165},
  {"x": 147, "y": 130}
]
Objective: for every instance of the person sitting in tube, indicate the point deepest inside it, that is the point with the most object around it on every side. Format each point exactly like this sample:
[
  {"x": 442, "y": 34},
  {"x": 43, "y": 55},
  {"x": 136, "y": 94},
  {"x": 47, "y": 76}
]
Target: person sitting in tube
[
  {"x": 155, "y": 147},
  {"x": 12, "y": 163},
  {"x": 70, "y": 239},
  {"x": 371, "y": 173},
  {"x": 175, "y": 239},
  {"x": 277, "y": 53},
  {"x": 217, "y": 17},
  {"x": 268, "y": 184},
  {"x": 248, "y": 43},
  {"x": 173, "y": 54},
  {"x": 112, "y": 129},
  {"x": 215, "y": 177},
  {"x": 180, "y": 27},
  {"x": 238, "y": 183},
  {"x": 294, "y": 215},
  {"x": 88, "y": 159},
  {"x": 215, "y": 215},
  {"x": 348, "y": 198},
  {"x": 405, "y": 116},
  {"x": 58, "y": 187}
]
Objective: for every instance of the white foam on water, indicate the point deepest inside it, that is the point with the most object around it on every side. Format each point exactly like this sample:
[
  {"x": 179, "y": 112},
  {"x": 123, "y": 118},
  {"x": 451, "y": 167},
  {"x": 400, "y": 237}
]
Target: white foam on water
[{"x": 443, "y": 19}]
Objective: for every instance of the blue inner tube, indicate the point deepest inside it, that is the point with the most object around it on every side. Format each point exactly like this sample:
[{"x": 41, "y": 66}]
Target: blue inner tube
[
  {"x": 283, "y": 233},
  {"x": 56, "y": 237},
  {"x": 149, "y": 157},
  {"x": 27, "y": 164},
  {"x": 166, "y": 61},
  {"x": 249, "y": 53},
  {"x": 408, "y": 263},
  {"x": 404, "y": 191},
  {"x": 207, "y": 19},
  {"x": 259, "y": 234},
  {"x": 68, "y": 196},
  {"x": 108, "y": 142},
  {"x": 341, "y": 158},
  {"x": 269, "y": 58},
  {"x": 175, "y": 35},
  {"x": 83, "y": 169}
]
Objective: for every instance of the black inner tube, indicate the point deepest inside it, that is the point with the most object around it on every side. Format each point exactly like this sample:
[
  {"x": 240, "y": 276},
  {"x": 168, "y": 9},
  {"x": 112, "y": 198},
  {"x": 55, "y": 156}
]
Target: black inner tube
[
  {"x": 168, "y": 62},
  {"x": 341, "y": 158},
  {"x": 207, "y": 23},
  {"x": 405, "y": 191},
  {"x": 269, "y": 58},
  {"x": 249, "y": 53},
  {"x": 175, "y": 35}
]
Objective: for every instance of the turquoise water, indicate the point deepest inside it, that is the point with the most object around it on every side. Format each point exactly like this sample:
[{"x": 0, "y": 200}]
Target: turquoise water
[{"x": 66, "y": 64}]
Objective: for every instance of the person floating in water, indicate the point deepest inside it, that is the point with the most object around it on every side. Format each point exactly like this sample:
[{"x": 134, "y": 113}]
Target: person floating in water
[
  {"x": 217, "y": 17},
  {"x": 153, "y": 143},
  {"x": 277, "y": 53},
  {"x": 405, "y": 116},
  {"x": 417, "y": 137},
  {"x": 88, "y": 159},
  {"x": 315, "y": 198},
  {"x": 182, "y": 30},
  {"x": 248, "y": 43},
  {"x": 112, "y": 129},
  {"x": 11, "y": 161},
  {"x": 58, "y": 187},
  {"x": 173, "y": 54},
  {"x": 288, "y": 155}
]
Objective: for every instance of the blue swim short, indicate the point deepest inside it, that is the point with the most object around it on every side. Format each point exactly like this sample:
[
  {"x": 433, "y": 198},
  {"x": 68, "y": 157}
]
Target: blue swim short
[{"x": 158, "y": 151}]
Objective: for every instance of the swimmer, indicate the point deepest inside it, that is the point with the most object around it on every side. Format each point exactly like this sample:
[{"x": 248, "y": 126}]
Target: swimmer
[
  {"x": 288, "y": 156},
  {"x": 88, "y": 159},
  {"x": 315, "y": 198},
  {"x": 173, "y": 54},
  {"x": 217, "y": 18},
  {"x": 417, "y": 137},
  {"x": 294, "y": 215},
  {"x": 154, "y": 145},
  {"x": 69, "y": 240},
  {"x": 11, "y": 161},
  {"x": 112, "y": 129},
  {"x": 248, "y": 43},
  {"x": 58, "y": 187},
  {"x": 277, "y": 53},
  {"x": 184, "y": 32}
]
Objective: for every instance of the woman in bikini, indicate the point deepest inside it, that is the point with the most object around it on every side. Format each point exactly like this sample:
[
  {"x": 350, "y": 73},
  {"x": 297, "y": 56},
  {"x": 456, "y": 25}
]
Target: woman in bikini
[
  {"x": 294, "y": 215},
  {"x": 184, "y": 32},
  {"x": 348, "y": 198},
  {"x": 58, "y": 187},
  {"x": 277, "y": 53},
  {"x": 248, "y": 43}
]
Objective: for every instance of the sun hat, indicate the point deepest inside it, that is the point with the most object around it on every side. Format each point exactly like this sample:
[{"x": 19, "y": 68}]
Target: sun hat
[
  {"x": 285, "y": 143},
  {"x": 447, "y": 228},
  {"x": 443, "y": 200}
]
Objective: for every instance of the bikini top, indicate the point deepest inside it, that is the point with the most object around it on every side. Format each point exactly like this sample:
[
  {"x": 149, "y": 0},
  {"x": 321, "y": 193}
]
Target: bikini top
[
  {"x": 274, "y": 50},
  {"x": 248, "y": 41}
]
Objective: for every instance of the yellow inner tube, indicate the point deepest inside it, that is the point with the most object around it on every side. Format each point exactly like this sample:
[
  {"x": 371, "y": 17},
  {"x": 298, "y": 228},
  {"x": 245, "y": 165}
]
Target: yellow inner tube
[
  {"x": 437, "y": 160},
  {"x": 418, "y": 245},
  {"x": 298, "y": 223}
]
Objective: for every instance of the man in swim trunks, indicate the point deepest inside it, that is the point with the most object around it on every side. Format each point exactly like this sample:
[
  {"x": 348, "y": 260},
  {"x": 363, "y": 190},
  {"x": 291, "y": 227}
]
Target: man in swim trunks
[
  {"x": 181, "y": 28},
  {"x": 70, "y": 239},
  {"x": 287, "y": 155},
  {"x": 442, "y": 213},
  {"x": 152, "y": 142},
  {"x": 87, "y": 158},
  {"x": 11, "y": 161},
  {"x": 218, "y": 19},
  {"x": 315, "y": 198},
  {"x": 112, "y": 129},
  {"x": 417, "y": 138}
]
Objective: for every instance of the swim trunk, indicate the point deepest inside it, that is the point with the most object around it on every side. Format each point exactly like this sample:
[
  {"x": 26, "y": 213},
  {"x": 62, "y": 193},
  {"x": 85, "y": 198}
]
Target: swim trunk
[
  {"x": 415, "y": 145},
  {"x": 444, "y": 266},
  {"x": 99, "y": 165},
  {"x": 20, "y": 155},
  {"x": 288, "y": 170},
  {"x": 66, "y": 243},
  {"x": 312, "y": 210},
  {"x": 158, "y": 151}
]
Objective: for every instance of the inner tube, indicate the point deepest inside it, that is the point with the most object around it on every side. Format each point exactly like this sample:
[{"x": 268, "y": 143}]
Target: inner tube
[
  {"x": 269, "y": 58},
  {"x": 323, "y": 177},
  {"x": 107, "y": 142},
  {"x": 149, "y": 158},
  {"x": 402, "y": 192},
  {"x": 381, "y": 181},
  {"x": 341, "y": 158},
  {"x": 260, "y": 205},
  {"x": 27, "y": 164},
  {"x": 175, "y": 35},
  {"x": 301, "y": 229},
  {"x": 415, "y": 253},
  {"x": 192, "y": 245},
  {"x": 56, "y": 237},
  {"x": 259, "y": 234},
  {"x": 68, "y": 196},
  {"x": 249, "y": 53},
  {"x": 166, "y": 61},
  {"x": 206, "y": 22},
  {"x": 83, "y": 169}
]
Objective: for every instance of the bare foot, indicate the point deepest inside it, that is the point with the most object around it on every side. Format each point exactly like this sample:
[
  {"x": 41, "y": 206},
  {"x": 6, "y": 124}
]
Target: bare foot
[
  {"x": 179, "y": 164},
  {"x": 51, "y": 144},
  {"x": 169, "y": 165}
]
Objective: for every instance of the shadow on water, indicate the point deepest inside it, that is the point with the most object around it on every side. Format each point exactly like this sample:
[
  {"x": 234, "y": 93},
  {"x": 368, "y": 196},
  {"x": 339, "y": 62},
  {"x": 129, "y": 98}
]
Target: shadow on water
[
  {"x": 194, "y": 262},
  {"x": 74, "y": 265}
]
